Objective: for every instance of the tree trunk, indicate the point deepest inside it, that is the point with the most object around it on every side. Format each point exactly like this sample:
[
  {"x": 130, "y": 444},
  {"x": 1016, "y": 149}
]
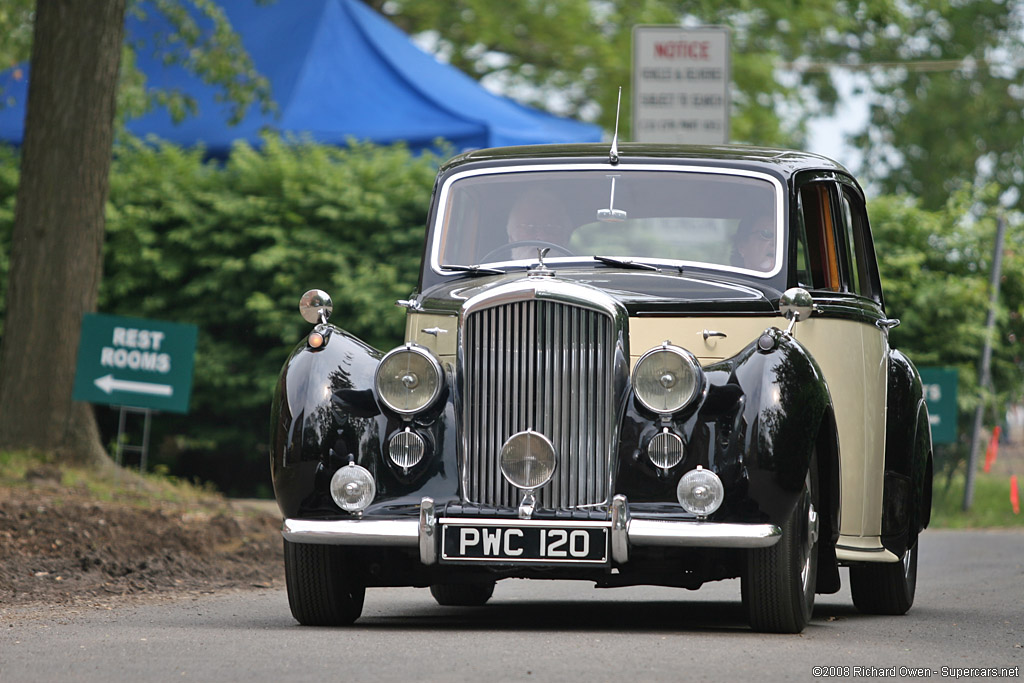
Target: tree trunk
[{"x": 56, "y": 251}]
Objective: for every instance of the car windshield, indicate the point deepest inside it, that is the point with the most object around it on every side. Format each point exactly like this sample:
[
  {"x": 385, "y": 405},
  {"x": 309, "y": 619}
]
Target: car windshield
[{"x": 713, "y": 218}]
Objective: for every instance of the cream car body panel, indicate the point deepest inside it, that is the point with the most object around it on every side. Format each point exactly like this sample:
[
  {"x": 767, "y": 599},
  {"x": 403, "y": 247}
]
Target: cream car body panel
[{"x": 857, "y": 365}]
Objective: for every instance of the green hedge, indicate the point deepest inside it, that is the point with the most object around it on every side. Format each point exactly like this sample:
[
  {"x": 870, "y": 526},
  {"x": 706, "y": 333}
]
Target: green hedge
[{"x": 230, "y": 247}]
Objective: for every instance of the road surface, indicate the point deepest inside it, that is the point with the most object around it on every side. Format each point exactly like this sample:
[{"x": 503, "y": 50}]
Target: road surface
[{"x": 969, "y": 612}]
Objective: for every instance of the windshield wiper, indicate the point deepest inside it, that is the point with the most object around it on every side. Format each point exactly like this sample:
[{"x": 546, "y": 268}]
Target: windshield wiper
[
  {"x": 620, "y": 263},
  {"x": 473, "y": 270}
]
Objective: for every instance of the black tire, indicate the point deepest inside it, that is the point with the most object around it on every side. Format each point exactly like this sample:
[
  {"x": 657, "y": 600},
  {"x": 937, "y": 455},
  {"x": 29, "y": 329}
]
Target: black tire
[
  {"x": 779, "y": 582},
  {"x": 462, "y": 594},
  {"x": 885, "y": 588},
  {"x": 323, "y": 588}
]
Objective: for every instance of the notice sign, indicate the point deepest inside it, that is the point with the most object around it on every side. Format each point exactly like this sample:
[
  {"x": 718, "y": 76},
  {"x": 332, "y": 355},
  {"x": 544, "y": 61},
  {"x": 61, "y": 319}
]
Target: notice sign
[
  {"x": 135, "y": 362},
  {"x": 681, "y": 85}
]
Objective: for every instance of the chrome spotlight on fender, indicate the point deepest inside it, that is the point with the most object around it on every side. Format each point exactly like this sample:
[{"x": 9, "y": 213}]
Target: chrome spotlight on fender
[{"x": 316, "y": 306}]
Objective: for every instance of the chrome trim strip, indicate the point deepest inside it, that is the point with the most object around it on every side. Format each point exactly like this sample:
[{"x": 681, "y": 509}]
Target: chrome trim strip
[
  {"x": 656, "y": 532},
  {"x": 547, "y": 289},
  {"x": 427, "y": 529},
  {"x": 847, "y": 555},
  {"x": 620, "y": 529},
  {"x": 422, "y": 532},
  {"x": 520, "y": 523},
  {"x": 388, "y": 532}
]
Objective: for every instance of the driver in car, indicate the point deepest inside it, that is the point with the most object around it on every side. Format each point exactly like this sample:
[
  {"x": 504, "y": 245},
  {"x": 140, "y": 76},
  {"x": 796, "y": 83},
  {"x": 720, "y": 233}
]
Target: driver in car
[{"x": 537, "y": 220}]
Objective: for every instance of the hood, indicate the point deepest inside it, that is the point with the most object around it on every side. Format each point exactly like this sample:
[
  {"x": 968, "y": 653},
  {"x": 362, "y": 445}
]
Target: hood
[{"x": 639, "y": 292}]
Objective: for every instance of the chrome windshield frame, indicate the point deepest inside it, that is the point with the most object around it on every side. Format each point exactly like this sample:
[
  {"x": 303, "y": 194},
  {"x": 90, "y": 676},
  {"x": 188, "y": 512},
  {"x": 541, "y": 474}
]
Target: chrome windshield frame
[{"x": 444, "y": 193}]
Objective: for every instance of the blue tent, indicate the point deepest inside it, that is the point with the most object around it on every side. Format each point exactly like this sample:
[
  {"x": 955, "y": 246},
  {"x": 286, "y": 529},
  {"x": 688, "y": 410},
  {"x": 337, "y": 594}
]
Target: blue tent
[{"x": 337, "y": 70}]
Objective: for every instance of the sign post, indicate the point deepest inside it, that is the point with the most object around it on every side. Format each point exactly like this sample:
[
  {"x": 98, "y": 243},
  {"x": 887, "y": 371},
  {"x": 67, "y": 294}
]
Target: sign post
[
  {"x": 681, "y": 85},
  {"x": 135, "y": 362}
]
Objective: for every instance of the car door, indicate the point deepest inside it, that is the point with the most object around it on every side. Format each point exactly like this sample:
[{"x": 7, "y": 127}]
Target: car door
[{"x": 834, "y": 260}]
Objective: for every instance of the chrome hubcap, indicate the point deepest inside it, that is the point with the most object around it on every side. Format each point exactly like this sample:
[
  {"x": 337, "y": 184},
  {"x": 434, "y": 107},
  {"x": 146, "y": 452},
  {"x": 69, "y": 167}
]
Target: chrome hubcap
[{"x": 810, "y": 536}]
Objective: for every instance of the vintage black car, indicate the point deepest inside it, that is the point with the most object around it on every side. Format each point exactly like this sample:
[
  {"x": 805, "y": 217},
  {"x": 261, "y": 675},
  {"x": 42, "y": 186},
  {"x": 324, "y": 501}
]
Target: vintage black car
[{"x": 639, "y": 365}]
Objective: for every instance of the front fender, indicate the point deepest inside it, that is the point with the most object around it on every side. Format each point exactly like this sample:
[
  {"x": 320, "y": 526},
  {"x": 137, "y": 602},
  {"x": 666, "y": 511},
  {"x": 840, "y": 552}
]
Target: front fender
[
  {"x": 324, "y": 410},
  {"x": 757, "y": 426}
]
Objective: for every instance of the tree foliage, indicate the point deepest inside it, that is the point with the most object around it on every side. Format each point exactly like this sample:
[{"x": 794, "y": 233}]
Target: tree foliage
[
  {"x": 230, "y": 248},
  {"x": 936, "y": 268},
  {"x": 953, "y": 115}
]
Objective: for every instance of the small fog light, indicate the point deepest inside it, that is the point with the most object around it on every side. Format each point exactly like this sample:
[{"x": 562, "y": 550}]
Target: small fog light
[
  {"x": 406, "y": 448},
  {"x": 700, "y": 492},
  {"x": 665, "y": 450},
  {"x": 353, "y": 488},
  {"x": 528, "y": 460}
]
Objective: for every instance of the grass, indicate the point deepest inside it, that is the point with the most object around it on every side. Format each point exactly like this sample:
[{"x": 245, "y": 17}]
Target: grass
[
  {"x": 25, "y": 469},
  {"x": 990, "y": 505}
]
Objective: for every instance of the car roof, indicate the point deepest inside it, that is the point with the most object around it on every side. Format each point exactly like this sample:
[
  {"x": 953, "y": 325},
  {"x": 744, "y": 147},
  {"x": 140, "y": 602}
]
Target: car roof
[{"x": 777, "y": 161}]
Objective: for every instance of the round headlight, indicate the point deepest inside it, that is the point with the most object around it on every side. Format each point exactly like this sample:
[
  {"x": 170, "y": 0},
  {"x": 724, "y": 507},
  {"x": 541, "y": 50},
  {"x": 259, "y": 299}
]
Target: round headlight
[
  {"x": 665, "y": 450},
  {"x": 667, "y": 378},
  {"x": 527, "y": 460},
  {"x": 406, "y": 448},
  {"x": 700, "y": 492},
  {"x": 408, "y": 379},
  {"x": 353, "y": 488}
]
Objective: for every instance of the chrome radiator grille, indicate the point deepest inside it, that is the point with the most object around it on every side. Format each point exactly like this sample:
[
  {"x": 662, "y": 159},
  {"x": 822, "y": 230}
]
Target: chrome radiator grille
[{"x": 544, "y": 366}]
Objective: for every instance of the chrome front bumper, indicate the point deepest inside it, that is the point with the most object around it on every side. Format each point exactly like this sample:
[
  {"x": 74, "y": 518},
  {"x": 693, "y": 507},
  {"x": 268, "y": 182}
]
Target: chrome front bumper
[{"x": 625, "y": 532}]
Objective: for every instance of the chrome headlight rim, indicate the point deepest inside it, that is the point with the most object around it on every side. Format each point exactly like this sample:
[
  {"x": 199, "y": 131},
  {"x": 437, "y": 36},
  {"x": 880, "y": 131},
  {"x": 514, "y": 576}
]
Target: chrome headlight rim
[
  {"x": 690, "y": 362},
  {"x": 433, "y": 363}
]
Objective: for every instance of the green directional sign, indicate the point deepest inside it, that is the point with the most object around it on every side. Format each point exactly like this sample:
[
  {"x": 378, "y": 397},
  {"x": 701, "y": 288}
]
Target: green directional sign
[
  {"x": 135, "y": 362},
  {"x": 940, "y": 385}
]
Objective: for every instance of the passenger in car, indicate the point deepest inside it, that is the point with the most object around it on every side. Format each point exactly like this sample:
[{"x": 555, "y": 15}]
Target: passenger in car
[{"x": 754, "y": 244}]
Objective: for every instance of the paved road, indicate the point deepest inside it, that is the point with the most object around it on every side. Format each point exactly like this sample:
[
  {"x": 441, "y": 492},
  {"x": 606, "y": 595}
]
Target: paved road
[{"x": 969, "y": 613}]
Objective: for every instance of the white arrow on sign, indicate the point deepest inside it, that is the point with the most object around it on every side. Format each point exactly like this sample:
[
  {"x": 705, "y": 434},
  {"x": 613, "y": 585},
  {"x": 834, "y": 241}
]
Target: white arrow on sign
[{"x": 108, "y": 384}]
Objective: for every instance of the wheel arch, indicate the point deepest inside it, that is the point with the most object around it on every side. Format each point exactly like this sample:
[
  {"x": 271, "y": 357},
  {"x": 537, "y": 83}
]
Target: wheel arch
[
  {"x": 907, "y": 488},
  {"x": 829, "y": 491}
]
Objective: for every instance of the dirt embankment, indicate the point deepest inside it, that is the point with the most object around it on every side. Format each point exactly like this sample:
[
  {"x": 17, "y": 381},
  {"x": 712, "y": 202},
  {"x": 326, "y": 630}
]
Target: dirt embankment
[{"x": 62, "y": 546}]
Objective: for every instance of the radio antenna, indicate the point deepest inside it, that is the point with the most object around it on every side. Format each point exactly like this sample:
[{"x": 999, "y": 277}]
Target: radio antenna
[{"x": 613, "y": 154}]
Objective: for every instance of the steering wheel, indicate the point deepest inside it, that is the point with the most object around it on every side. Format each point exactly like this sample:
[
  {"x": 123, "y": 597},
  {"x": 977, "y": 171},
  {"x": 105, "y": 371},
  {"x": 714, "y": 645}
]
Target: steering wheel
[{"x": 541, "y": 244}]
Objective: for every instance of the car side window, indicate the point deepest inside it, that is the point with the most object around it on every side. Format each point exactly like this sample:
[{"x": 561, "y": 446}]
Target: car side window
[
  {"x": 853, "y": 275},
  {"x": 858, "y": 249},
  {"x": 817, "y": 220}
]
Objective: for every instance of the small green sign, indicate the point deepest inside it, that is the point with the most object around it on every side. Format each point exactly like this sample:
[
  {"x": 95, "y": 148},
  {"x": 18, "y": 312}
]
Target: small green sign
[
  {"x": 135, "y": 362},
  {"x": 940, "y": 385}
]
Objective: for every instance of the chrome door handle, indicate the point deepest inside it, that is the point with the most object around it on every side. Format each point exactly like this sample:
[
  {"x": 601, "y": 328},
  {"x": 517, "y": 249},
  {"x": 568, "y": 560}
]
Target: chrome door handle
[{"x": 887, "y": 323}]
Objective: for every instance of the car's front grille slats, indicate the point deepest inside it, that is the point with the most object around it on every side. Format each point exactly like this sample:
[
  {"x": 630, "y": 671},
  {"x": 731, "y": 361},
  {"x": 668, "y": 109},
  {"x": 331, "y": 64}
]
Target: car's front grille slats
[{"x": 545, "y": 366}]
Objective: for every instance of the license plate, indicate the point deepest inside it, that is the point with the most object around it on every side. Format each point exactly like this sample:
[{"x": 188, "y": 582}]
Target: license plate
[{"x": 524, "y": 541}]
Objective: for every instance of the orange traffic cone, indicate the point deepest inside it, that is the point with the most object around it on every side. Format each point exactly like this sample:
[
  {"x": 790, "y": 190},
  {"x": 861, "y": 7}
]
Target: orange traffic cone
[
  {"x": 993, "y": 448},
  {"x": 1014, "y": 495}
]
